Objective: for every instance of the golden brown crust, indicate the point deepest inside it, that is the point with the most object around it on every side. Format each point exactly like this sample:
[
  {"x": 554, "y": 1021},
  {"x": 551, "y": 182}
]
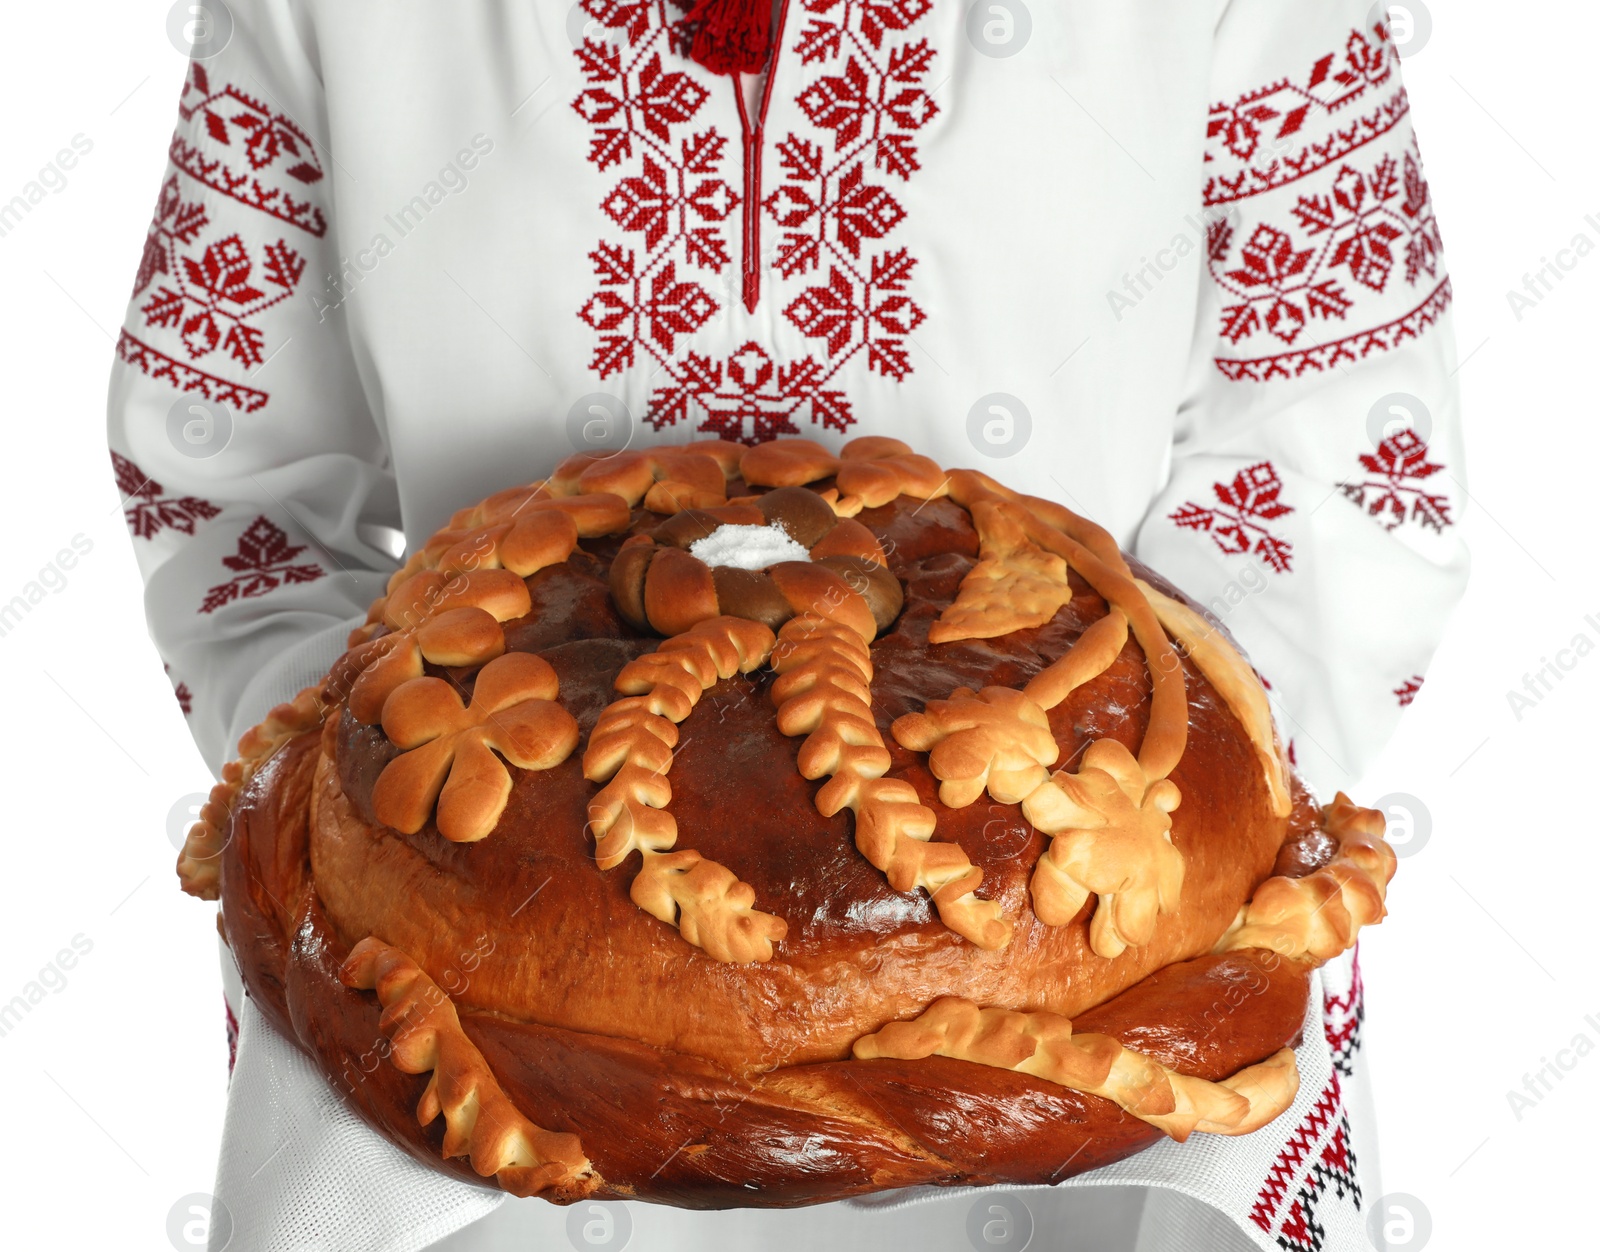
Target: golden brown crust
[
  {"x": 655, "y": 1123},
  {"x": 448, "y": 748},
  {"x": 632, "y": 1033},
  {"x": 630, "y": 750},
  {"x": 1234, "y": 680},
  {"x": 1319, "y": 915},
  {"x": 481, "y": 1123},
  {"x": 1044, "y": 1045}
]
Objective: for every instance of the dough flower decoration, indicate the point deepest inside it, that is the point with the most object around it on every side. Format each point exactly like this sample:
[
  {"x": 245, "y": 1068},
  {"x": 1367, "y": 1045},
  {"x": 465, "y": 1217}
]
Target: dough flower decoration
[
  {"x": 449, "y": 747},
  {"x": 1109, "y": 820},
  {"x": 838, "y": 1010},
  {"x": 1112, "y": 838},
  {"x": 446, "y": 619}
]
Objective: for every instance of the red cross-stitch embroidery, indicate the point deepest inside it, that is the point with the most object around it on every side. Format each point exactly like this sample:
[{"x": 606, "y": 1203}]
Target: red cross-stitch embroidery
[
  {"x": 673, "y": 201},
  {"x": 160, "y": 367},
  {"x": 255, "y": 149},
  {"x": 176, "y": 222},
  {"x": 1406, "y": 692},
  {"x": 1330, "y": 202},
  {"x": 1390, "y": 492},
  {"x": 830, "y": 211},
  {"x": 265, "y": 561},
  {"x": 1289, "y": 128},
  {"x": 149, "y": 510},
  {"x": 1352, "y": 232},
  {"x": 231, "y": 1028},
  {"x": 1317, "y": 1165},
  {"x": 1236, "y": 521},
  {"x": 213, "y": 298},
  {"x": 180, "y": 690},
  {"x": 1343, "y": 1011}
]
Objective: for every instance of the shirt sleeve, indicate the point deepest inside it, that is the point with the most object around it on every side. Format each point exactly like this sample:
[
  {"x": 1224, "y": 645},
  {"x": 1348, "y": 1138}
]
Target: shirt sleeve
[
  {"x": 1316, "y": 479},
  {"x": 251, "y": 464}
]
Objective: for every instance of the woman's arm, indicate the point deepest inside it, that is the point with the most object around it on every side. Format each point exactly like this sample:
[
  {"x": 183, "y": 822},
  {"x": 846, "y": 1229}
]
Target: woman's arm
[
  {"x": 1317, "y": 478},
  {"x": 246, "y": 448}
]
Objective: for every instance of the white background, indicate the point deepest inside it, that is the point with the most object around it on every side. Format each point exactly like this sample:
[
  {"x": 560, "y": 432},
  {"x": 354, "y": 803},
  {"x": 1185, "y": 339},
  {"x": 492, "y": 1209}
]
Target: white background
[{"x": 1482, "y": 974}]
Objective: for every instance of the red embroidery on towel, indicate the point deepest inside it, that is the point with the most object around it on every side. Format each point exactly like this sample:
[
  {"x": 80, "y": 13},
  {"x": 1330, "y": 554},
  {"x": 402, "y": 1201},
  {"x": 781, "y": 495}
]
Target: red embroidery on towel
[
  {"x": 1317, "y": 1158},
  {"x": 1407, "y": 691}
]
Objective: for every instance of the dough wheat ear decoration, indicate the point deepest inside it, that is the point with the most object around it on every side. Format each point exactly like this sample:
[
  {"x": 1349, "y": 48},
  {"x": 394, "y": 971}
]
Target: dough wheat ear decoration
[
  {"x": 557, "y": 1025},
  {"x": 481, "y": 1123},
  {"x": 1043, "y": 1044},
  {"x": 630, "y": 750},
  {"x": 1110, "y": 818},
  {"x": 824, "y": 693}
]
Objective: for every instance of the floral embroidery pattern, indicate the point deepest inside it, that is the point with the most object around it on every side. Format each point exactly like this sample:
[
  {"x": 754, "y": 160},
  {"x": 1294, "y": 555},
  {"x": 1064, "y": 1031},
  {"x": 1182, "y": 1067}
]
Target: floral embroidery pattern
[
  {"x": 263, "y": 148},
  {"x": 211, "y": 292},
  {"x": 1389, "y": 492},
  {"x": 213, "y": 298},
  {"x": 265, "y": 562},
  {"x": 826, "y": 205},
  {"x": 1274, "y": 134},
  {"x": 673, "y": 201},
  {"x": 1352, "y": 232},
  {"x": 1406, "y": 692},
  {"x": 1311, "y": 283},
  {"x": 1237, "y": 521},
  {"x": 180, "y": 690},
  {"x": 149, "y": 510}
]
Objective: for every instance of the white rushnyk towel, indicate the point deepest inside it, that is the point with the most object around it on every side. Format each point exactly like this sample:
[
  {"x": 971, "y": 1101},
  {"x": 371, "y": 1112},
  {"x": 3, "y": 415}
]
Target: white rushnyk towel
[{"x": 301, "y": 1173}]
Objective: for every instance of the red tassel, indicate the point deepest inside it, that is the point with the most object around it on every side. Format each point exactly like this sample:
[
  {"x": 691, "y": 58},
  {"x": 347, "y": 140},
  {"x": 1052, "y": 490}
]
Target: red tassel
[{"x": 731, "y": 36}]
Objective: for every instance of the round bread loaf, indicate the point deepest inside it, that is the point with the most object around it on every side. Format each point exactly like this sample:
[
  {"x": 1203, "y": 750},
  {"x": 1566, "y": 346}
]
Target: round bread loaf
[{"x": 723, "y": 826}]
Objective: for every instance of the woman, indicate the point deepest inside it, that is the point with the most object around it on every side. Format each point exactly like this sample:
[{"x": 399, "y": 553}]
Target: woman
[{"x": 1176, "y": 266}]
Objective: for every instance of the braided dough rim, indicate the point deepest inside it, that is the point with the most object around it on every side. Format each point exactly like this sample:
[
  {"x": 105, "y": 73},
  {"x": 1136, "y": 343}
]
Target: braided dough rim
[
  {"x": 395, "y": 1099},
  {"x": 1353, "y": 884}
]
